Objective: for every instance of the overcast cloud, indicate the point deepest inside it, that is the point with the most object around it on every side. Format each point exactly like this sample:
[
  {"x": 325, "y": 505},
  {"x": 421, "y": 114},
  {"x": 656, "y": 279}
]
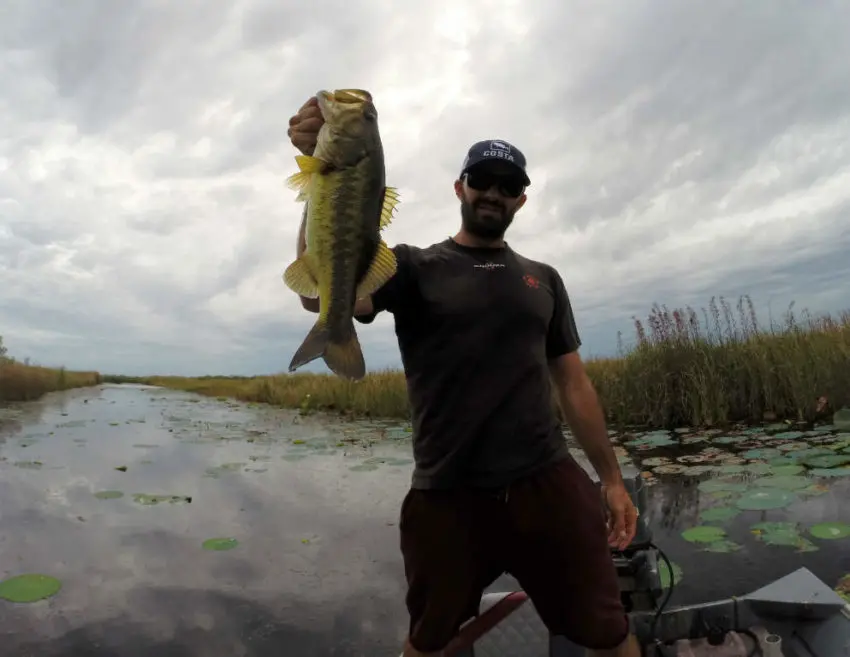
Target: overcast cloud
[{"x": 678, "y": 150}]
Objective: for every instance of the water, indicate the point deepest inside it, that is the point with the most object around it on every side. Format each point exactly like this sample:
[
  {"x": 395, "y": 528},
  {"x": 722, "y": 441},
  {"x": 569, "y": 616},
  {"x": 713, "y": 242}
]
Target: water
[{"x": 312, "y": 503}]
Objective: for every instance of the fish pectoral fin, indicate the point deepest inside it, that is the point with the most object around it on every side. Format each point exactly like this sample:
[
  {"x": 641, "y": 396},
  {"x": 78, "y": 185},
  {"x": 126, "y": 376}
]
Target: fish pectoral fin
[
  {"x": 381, "y": 270},
  {"x": 300, "y": 279},
  {"x": 300, "y": 182},
  {"x": 310, "y": 164},
  {"x": 307, "y": 166},
  {"x": 389, "y": 206}
]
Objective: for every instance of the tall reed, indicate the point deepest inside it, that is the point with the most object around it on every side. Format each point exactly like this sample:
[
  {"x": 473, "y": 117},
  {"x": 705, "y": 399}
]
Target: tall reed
[{"x": 686, "y": 368}]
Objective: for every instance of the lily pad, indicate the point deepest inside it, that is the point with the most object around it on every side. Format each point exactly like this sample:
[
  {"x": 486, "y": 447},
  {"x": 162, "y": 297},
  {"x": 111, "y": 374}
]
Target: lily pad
[
  {"x": 693, "y": 458},
  {"x": 364, "y": 467},
  {"x": 787, "y": 482},
  {"x": 761, "y": 453},
  {"x": 398, "y": 461},
  {"x": 783, "y": 533},
  {"x": 28, "y": 465},
  {"x": 670, "y": 468},
  {"x": 792, "y": 447},
  {"x": 787, "y": 470},
  {"x": 704, "y": 534},
  {"x": 827, "y": 461},
  {"x": 830, "y": 530},
  {"x": 30, "y": 587},
  {"x": 824, "y": 428},
  {"x": 759, "y": 468},
  {"x": 217, "y": 470},
  {"x": 108, "y": 494},
  {"x": 814, "y": 489},
  {"x": 830, "y": 472},
  {"x": 811, "y": 451},
  {"x": 763, "y": 499},
  {"x": 667, "y": 576},
  {"x": 782, "y": 461},
  {"x": 652, "y": 440},
  {"x": 729, "y": 440},
  {"x": 722, "y": 494},
  {"x": 219, "y": 544},
  {"x": 719, "y": 514},
  {"x": 775, "y": 428},
  {"x": 842, "y": 588},
  {"x": 731, "y": 469},
  {"x": 152, "y": 500},
  {"x": 732, "y": 460},
  {"x": 788, "y": 435},
  {"x": 697, "y": 470},
  {"x": 713, "y": 485},
  {"x": 654, "y": 461},
  {"x": 724, "y": 546}
]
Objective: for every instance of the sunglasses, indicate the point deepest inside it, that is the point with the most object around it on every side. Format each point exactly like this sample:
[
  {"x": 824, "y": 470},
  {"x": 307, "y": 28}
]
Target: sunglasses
[{"x": 507, "y": 184}]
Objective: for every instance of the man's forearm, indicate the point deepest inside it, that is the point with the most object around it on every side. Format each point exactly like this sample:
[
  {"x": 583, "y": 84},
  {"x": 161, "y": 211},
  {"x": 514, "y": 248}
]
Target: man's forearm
[{"x": 583, "y": 414}]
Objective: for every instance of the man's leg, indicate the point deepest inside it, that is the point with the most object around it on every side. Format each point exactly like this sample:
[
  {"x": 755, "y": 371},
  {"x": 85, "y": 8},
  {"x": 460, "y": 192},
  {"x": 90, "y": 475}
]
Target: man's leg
[
  {"x": 447, "y": 562},
  {"x": 559, "y": 554}
]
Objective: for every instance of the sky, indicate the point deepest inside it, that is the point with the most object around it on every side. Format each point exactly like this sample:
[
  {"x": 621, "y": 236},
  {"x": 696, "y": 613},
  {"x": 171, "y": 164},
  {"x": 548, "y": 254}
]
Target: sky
[{"x": 677, "y": 151}]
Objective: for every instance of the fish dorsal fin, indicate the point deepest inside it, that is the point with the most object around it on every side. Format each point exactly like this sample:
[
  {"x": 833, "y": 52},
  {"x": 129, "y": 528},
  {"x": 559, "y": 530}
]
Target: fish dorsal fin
[
  {"x": 381, "y": 270},
  {"x": 300, "y": 279},
  {"x": 300, "y": 181},
  {"x": 389, "y": 206}
]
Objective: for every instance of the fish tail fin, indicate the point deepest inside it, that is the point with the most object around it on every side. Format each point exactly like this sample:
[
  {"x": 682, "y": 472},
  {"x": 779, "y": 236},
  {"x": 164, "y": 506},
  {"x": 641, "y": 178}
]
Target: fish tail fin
[{"x": 343, "y": 357}]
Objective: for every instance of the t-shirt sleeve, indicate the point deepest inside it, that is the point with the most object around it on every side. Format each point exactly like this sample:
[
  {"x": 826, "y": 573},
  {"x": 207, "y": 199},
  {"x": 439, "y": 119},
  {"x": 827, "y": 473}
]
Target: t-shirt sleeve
[
  {"x": 396, "y": 292},
  {"x": 563, "y": 335}
]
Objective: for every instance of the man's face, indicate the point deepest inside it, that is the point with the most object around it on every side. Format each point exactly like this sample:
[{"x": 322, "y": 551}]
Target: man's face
[{"x": 490, "y": 194}]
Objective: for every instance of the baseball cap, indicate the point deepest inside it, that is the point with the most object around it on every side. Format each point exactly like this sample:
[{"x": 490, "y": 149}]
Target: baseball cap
[{"x": 495, "y": 149}]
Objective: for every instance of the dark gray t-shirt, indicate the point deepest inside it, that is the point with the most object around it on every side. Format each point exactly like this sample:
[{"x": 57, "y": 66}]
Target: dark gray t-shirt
[{"x": 476, "y": 328}]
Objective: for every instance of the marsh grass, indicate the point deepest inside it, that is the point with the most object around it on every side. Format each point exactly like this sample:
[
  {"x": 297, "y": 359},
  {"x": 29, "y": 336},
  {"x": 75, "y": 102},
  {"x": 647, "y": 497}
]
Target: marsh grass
[
  {"x": 685, "y": 369},
  {"x": 20, "y": 382}
]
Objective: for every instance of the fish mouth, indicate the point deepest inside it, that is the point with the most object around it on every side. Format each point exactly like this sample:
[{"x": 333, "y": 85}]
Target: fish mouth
[
  {"x": 352, "y": 96},
  {"x": 340, "y": 98}
]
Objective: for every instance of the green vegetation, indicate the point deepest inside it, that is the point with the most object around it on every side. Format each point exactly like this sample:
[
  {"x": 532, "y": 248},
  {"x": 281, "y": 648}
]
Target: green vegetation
[
  {"x": 20, "y": 381},
  {"x": 681, "y": 372}
]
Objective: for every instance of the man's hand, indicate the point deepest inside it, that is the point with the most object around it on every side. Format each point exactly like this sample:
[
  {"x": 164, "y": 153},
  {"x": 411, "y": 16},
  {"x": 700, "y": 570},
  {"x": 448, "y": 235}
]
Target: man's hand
[
  {"x": 304, "y": 126},
  {"x": 622, "y": 515}
]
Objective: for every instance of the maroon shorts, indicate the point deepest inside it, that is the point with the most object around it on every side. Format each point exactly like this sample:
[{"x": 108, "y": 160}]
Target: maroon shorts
[{"x": 547, "y": 530}]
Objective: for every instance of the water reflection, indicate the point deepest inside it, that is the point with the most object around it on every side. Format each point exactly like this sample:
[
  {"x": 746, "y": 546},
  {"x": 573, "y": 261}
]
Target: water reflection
[{"x": 314, "y": 506}]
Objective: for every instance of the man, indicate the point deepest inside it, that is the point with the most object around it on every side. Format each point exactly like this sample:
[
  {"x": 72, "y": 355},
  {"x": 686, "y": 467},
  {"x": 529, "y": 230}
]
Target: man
[{"x": 484, "y": 334}]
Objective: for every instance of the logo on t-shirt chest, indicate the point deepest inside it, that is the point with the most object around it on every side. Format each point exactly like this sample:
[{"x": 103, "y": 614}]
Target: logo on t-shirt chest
[{"x": 488, "y": 266}]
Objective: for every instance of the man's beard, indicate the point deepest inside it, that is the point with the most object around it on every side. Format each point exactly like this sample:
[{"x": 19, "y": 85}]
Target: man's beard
[{"x": 490, "y": 227}]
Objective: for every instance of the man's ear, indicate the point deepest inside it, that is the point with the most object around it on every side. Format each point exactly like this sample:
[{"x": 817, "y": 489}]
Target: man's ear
[
  {"x": 459, "y": 190},
  {"x": 520, "y": 202}
]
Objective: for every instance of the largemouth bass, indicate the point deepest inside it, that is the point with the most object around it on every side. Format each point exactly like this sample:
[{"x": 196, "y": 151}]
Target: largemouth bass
[{"x": 347, "y": 204}]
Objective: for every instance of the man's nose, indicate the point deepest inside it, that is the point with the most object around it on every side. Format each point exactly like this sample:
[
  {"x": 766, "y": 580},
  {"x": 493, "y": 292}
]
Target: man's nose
[{"x": 492, "y": 193}]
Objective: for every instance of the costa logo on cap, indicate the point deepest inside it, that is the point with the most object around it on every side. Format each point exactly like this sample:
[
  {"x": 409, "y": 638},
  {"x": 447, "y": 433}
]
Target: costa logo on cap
[{"x": 495, "y": 149}]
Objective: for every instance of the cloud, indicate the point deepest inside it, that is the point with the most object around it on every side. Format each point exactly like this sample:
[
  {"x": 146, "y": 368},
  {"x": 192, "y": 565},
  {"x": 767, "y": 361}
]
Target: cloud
[{"x": 676, "y": 153}]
